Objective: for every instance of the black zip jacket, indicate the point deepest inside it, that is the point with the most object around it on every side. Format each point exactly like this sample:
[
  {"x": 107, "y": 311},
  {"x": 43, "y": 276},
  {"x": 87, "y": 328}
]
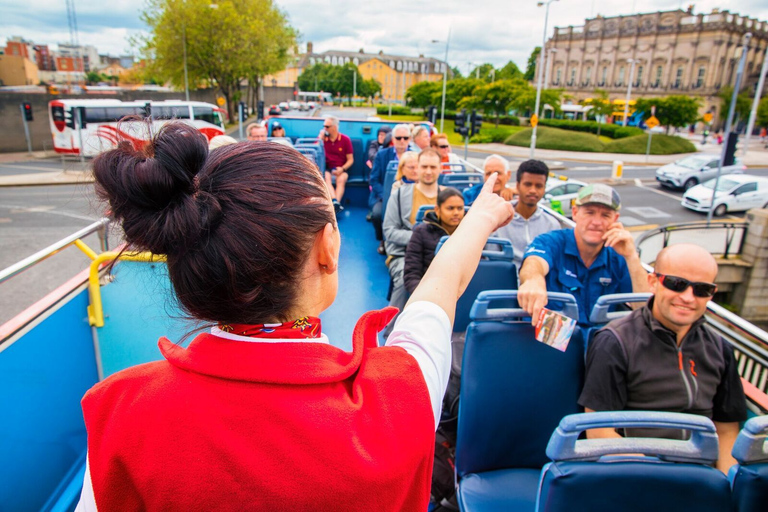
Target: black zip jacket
[{"x": 421, "y": 250}]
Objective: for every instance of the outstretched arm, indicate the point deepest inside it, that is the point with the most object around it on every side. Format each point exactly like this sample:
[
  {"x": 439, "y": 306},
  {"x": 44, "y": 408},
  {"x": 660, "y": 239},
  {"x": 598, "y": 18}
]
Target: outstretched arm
[{"x": 453, "y": 267}]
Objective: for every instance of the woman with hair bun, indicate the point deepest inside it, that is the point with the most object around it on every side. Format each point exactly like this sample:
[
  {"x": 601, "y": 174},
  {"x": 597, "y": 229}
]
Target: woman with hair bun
[{"x": 262, "y": 412}]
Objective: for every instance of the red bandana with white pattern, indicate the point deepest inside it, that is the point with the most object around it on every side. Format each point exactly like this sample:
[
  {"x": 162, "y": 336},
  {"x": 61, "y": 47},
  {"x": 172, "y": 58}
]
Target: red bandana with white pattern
[{"x": 305, "y": 327}]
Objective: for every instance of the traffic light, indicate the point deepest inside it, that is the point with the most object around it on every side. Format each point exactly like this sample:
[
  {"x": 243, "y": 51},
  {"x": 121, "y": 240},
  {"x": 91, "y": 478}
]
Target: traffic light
[
  {"x": 460, "y": 122},
  {"x": 476, "y": 122},
  {"x": 259, "y": 110},
  {"x": 432, "y": 114},
  {"x": 730, "y": 148},
  {"x": 243, "y": 111},
  {"x": 27, "y": 108}
]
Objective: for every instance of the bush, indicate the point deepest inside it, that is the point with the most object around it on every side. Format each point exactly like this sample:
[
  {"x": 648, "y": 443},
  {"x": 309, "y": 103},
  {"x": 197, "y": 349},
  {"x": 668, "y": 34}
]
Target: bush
[
  {"x": 396, "y": 110},
  {"x": 660, "y": 145},
  {"x": 505, "y": 120},
  {"x": 613, "y": 131},
  {"x": 490, "y": 135},
  {"x": 553, "y": 138}
]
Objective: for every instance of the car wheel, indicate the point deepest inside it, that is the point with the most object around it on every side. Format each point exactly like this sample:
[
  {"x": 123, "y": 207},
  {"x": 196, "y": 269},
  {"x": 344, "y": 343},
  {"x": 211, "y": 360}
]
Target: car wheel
[
  {"x": 720, "y": 210},
  {"x": 690, "y": 182}
]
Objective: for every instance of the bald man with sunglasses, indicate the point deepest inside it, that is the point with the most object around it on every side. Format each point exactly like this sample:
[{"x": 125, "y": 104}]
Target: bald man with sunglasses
[{"x": 663, "y": 358}]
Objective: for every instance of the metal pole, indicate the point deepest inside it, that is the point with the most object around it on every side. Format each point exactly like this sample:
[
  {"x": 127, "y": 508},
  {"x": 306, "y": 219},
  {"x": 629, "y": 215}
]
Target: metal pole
[
  {"x": 240, "y": 119},
  {"x": 731, "y": 110},
  {"x": 354, "y": 83},
  {"x": 26, "y": 128},
  {"x": 758, "y": 93},
  {"x": 648, "y": 148},
  {"x": 466, "y": 146},
  {"x": 184, "y": 47},
  {"x": 445, "y": 79},
  {"x": 403, "y": 75},
  {"x": 541, "y": 72},
  {"x": 78, "y": 114},
  {"x": 629, "y": 90}
]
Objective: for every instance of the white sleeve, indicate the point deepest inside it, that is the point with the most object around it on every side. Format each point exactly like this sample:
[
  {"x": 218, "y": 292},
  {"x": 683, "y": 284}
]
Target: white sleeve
[
  {"x": 424, "y": 331},
  {"x": 87, "y": 499}
]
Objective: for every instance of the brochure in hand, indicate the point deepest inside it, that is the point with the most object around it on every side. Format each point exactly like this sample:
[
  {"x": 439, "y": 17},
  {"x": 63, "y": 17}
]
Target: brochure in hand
[{"x": 555, "y": 329}]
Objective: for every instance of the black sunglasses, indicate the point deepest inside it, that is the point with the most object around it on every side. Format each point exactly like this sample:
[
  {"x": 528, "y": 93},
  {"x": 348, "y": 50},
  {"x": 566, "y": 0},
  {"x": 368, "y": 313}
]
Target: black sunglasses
[
  {"x": 444, "y": 147},
  {"x": 401, "y": 138},
  {"x": 327, "y": 125},
  {"x": 679, "y": 285}
]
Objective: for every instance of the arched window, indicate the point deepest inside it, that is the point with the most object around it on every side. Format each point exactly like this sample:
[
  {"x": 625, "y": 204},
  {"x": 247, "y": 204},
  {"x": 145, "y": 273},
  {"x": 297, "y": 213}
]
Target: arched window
[
  {"x": 621, "y": 75},
  {"x": 659, "y": 70},
  {"x": 700, "y": 78},
  {"x": 399, "y": 65},
  {"x": 334, "y": 61},
  {"x": 588, "y": 74},
  {"x": 392, "y": 64},
  {"x": 356, "y": 61}
]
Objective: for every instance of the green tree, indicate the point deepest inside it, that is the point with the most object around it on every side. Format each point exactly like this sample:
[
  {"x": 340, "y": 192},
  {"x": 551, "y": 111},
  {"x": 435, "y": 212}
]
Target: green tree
[
  {"x": 762, "y": 113},
  {"x": 743, "y": 103},
  {"x": 525, "y": 99},
  {"x": 494, "y": 98},
  {"x": 601, "y": 107},
  {"x": 484, "y": 71},
  {"x": 420, "y": 95},
  {"x": 671, "y": 111},
  {"x": 510, "y": 71},
  {"x": 94, "y": 77},
  {"x": 530, "y": 69},
  {"x": 455, "y": 91},
  {"x": 455, "y": 73},
  {"x": 225, "y": 45}
]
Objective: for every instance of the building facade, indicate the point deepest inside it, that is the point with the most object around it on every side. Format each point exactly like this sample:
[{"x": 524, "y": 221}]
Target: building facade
[
  {"x": 395, "y": 73},
  {"x": 668, "y": 52},
  {"x": 16, "y": 70}
]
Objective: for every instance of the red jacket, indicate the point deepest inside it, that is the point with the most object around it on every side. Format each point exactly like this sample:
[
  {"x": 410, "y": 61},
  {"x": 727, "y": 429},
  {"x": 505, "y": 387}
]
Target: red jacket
[{"x": 234, "y": 425}]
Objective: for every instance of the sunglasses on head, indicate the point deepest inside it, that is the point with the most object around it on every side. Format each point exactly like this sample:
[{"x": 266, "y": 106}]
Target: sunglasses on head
[
  {"x": 402, "y": 138},
  {"x": 679, "y": 285}
]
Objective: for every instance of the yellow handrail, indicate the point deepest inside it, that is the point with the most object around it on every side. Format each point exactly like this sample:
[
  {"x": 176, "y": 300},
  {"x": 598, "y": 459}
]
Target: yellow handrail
[{"x": 95, "y": 309}]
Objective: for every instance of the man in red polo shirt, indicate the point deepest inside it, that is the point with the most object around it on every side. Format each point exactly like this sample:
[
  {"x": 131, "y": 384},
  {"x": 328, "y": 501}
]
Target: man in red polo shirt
[{"x": 338, "y": 159}]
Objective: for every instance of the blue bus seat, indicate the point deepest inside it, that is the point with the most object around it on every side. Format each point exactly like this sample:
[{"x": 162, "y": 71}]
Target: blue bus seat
[
  {"x": 514, "y": 391},
  {"x": 460, "y": 180},
  {"x": 749, "y": 478},
  {"x": 602, "y": 314},
  {"x": 670, "y": 475},
  {"x": 310, "y": 153},
  {"x": 389, "y": 180},
  {"x": 423, "y": 210},
  {"x": 358, "y": 173},
  {"x": 496, "y": 271},
  {"x": 281, "y": 139}
]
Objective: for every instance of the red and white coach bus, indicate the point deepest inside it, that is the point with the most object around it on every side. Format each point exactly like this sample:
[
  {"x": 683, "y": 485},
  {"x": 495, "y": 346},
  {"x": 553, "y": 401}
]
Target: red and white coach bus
[{"x": 101, "y": 129}]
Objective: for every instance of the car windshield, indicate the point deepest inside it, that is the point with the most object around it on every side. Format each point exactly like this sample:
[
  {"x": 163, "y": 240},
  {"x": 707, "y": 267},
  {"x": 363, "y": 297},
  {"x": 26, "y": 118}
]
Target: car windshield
[
  {"x": 693, "y": 162},
  {"x": 725, "y": 184}
]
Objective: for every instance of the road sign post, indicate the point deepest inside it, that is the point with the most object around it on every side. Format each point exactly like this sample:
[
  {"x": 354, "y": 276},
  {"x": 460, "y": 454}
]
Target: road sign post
[
  {"x": 26, "y": 127},
  {"x": 652, "y": 122}
]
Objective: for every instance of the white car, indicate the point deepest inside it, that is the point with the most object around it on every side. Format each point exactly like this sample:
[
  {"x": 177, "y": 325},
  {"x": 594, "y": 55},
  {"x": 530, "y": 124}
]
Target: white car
[
  {"x": 735, "y": 193},
  {"x": 692, "y": 170},
  {"x": 284, "y": 106},
  {"x": 294, "y": 105},
  {"x": 312, "y": 105},
  {"x": 560, "y": 194}
]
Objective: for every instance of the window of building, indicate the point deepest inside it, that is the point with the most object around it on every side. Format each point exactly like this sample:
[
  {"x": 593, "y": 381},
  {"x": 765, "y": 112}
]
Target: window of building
[
  {"x": 639, "y": 74},
  {"x": 605, "y": 75},
  {"x": 573, "y": 74},
  {"x": 700, "y": 77},
  {"x": 659, "y": 69},
  {"x": 399, "y": 65},
  {"x": 559, "y": 72},
  {"x": 589, "y": 74},
  {"x": 621, "y": 75},
  {"x": 356, "y": 61},
  {"x": 679, "y": 76}
]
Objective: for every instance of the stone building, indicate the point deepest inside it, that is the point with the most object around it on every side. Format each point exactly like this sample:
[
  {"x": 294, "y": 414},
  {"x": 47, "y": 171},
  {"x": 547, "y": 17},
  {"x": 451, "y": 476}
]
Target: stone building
[
  {"x": 673, "y": 52},
  {"x": 395, "y": 73}
]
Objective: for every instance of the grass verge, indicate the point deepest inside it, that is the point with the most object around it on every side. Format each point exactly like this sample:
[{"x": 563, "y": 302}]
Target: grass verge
[{"x": 565, "y": 140}]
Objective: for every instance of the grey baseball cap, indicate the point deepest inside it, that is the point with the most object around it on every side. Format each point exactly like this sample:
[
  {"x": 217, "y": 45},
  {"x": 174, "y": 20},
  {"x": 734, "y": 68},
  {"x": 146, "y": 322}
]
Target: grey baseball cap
[{"x": 597, "y": 193}]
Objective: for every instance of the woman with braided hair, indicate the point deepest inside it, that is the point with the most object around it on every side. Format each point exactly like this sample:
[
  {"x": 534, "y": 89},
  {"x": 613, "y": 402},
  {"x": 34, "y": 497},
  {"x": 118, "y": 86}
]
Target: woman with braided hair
[{"x": 261, "y": 411}]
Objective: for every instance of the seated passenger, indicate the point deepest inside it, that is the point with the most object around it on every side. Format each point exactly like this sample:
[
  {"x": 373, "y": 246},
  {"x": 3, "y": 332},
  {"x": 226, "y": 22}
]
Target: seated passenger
[
  {"x": 376, "y": 144},
  {"x": 256, "y": 131},
  {"x": 663, "y": 357},
  {"x": 339, "y": 158},
  {"x": 440, "y": 143},
  {"x": 492, "y": 164},
  {"x": 258, "y": 413},
  {"x": 529, "y": 221},
  {"x": 401, "y": 213},
  {"x": 401, "y": 135},
  {"x": 407, "y": 170},
  {"x": 597, "y": 257},
  {"x": 426, "y": 235},
  {"x": 420, "y": 137},
  {"x": 278, "y": 130},
  {"x": 219, "y": 141}
]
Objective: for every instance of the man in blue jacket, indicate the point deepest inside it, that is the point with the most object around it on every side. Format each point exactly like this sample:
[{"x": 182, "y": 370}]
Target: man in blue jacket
[{"x": 401, "y": 136}]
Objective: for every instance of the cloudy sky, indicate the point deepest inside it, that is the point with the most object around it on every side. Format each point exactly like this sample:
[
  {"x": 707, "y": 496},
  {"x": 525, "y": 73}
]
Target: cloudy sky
[{"x": 489, "y": 31}]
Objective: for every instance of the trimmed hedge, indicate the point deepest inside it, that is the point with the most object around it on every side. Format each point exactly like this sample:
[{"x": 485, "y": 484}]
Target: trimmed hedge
[
  {"x": 396, "y": 110},
  {"x": 613, "y": 131},
  {"x": 488, "y": 134},
  {"x": 553, "y": 138},
  {"x": 660, "y": 145},
  {"x": 566, "y": 140}
]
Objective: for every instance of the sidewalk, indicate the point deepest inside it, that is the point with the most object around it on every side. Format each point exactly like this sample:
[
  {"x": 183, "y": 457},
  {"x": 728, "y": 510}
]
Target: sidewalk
[
  {"x": 756, "y": 157},
  {"x": 74, "y": 176}
]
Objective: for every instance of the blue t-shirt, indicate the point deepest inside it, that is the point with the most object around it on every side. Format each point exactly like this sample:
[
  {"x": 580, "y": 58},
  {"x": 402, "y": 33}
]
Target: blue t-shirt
[
  {"x": 471, "y": 193},
  {"x": 568, "y": 274}
]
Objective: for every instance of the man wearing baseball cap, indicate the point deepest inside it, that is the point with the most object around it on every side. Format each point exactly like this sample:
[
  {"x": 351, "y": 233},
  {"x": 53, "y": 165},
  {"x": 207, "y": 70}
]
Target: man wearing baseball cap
[{"x": 596, "y": 257}]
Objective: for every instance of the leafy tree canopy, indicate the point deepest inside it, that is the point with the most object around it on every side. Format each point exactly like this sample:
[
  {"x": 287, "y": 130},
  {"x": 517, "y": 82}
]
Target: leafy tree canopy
[
  {"x": 671, "y": 111},
  {"x": 530, "y": 68},
  {"x": 743, "y": 103},
  {"x": 337, "y": 80},
  {"x": 495, "y": 98},
  {"x": 762, "y": 113},
  {"x": 420, "y": 95}
]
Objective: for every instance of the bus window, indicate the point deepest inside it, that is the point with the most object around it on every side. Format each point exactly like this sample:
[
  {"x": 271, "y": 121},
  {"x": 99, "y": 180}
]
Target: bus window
[
  {"x": 208, "y": 115},
  {"x": 95, "y": 115},
  {"x": 114, "y": 114},
  {"x": 57, "y": 114},
  {"x": 178, "y": 112}
]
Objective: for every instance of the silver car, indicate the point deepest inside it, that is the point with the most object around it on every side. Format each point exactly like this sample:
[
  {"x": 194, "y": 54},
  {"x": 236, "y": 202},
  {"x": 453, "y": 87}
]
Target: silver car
[
  {"x": 692, "y": 170},
  {"x": 560, "y": 194}
]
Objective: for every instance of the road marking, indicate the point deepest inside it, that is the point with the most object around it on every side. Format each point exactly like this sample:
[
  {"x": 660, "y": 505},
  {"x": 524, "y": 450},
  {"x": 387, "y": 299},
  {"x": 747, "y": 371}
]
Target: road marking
[
  {"x": 47, "y": 209},
  {"x": 662, "y": 193},
  {"x": 648, "y": 212},
  {"x": 638, "y": 183},
  {"x": 29, "y": 168}
]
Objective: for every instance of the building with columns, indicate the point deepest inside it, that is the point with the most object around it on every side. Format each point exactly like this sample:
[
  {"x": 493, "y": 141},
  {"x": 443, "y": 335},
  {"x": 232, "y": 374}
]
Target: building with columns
[{"x": 667, "y": 52}]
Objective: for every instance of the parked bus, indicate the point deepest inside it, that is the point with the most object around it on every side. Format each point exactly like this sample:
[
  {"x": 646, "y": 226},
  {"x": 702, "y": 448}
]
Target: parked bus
[{"x": 100, "y": 129}]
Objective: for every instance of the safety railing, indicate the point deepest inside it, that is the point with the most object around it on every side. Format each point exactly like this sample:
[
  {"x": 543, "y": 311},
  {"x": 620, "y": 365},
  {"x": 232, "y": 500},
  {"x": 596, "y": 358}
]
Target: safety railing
[{"x": 722, "y": 237}]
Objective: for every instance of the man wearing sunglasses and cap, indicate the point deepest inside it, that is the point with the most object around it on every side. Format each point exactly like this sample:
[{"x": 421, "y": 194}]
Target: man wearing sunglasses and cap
[
  {"x": 663, "y": 358},
  {"x": 597, "y": 257}
]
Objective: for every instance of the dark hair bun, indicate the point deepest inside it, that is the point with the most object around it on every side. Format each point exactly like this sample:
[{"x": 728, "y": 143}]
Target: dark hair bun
[{"x": 153, "y": 191}]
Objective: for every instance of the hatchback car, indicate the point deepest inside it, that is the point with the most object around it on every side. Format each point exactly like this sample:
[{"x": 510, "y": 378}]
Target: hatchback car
[
  {"x": 560, "y": 194},
  {"x": 735, "y": 193},
  {"x": 284, "y": 106},
  {"x": 692, "y": 170},
  {"x": 294, "y": 105},
  {"x": 274, "y": 110}
]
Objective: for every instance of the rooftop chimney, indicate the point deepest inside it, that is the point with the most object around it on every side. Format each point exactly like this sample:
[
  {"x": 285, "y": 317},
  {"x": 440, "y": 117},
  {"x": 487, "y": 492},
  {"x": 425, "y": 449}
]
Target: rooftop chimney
[{"x": 309, "y": 47}]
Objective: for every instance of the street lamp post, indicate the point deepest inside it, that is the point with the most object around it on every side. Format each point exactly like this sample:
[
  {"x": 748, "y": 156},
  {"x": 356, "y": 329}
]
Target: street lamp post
[
  {"x": 184, "y": 45},
  {"x": 541, "y": 71},
  {"x": 755, "y": 103},
  {"x": 445, "y": 77},
  {"x": 629, "y": 89}
]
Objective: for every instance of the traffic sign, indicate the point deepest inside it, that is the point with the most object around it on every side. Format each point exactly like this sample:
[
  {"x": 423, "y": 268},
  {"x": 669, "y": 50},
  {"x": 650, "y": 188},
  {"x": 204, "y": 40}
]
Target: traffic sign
[
  {"x": 708, "y": 117},
  {"x": 220, "y": 101},
  {"x": 534, "y": 120},
  {"x": 652, "y": 122}
]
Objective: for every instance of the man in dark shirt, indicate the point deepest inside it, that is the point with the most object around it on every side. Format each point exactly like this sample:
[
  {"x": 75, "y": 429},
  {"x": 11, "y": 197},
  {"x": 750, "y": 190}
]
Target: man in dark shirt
[
  {"x": 339, "y": 158},
  {"x": 663, "y": 358}
]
